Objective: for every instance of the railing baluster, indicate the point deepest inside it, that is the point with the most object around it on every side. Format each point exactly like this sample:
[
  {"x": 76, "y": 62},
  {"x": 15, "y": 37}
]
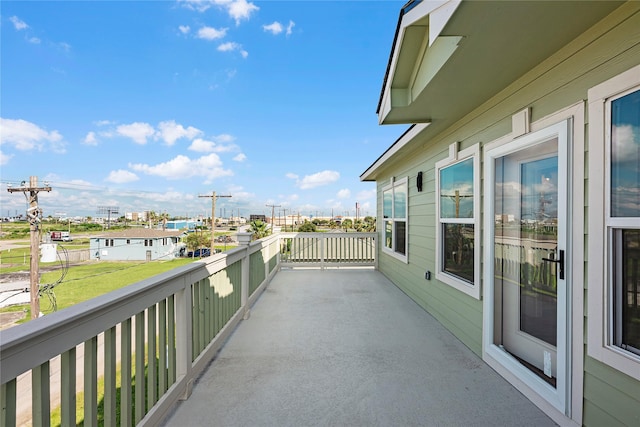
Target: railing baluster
[
  {"x": 91, "y": 382},
  {"x": 68, "y": 388},
  {"x": 152, "y": 376},
  {"x": 40, "y": 395},
  {"x": 140, "y": 391},
  {"x": 125, "y": 373},
  {"x": 171, "y": 338},
  {"x": 9, "y": 402},
  {"x": 162, "y": 347},
  {"x": 110, "y": 377}
]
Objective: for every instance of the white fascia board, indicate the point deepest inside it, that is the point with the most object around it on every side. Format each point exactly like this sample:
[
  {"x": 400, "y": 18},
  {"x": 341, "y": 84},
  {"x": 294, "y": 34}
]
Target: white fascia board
[
  {"x": 391, "y": 151},
  {"x": 439, "y": 17}
]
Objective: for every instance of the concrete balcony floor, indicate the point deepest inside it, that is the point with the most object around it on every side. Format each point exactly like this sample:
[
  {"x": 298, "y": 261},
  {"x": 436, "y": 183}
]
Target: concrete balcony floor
[{"x": 347, "y": 347}]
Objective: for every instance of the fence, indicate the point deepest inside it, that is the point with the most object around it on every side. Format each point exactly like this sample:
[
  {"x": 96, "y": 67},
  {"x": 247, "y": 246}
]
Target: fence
[{"x": 145, "y": 344}]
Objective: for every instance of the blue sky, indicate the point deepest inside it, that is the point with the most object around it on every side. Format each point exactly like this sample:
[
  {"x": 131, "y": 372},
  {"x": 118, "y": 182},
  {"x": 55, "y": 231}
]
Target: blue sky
[{"x": 146, "y": 105}]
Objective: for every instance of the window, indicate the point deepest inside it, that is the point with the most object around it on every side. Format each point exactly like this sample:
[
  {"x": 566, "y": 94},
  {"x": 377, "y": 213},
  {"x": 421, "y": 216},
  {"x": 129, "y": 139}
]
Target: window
[
  {"x": 394, "y": 209},
  {"x": 128, "y": 241},
  {"x": 108, "y": 242},
  {"x": 148, "y": 242},
  {"x": 457, "y": 217},
  {"x": 614, "y": 232}
]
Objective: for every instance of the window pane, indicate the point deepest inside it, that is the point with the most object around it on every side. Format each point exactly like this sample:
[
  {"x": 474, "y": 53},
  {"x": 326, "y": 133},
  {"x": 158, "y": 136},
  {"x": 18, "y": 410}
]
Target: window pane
[
  {"x": 625, "y": 156},
  {"x": 400, "y": 201},
  {"x": 458, "y": 250},
  {"x": 456, "y": 190},
  {"x": 627, "y": 291},
  {"x": 388, "y": 234},
  {"x": 400, "y": 245},
  {"x": 387, "y": 199}
]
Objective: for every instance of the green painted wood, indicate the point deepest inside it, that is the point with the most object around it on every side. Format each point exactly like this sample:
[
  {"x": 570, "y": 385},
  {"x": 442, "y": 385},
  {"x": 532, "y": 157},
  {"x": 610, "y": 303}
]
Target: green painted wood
[
  {"x": 207, "y": 311},
  {"x": 68, "y": 388},
  {"x": 126, "y": 397},
  {"x": 162, "y": 348},
  {"x": 140, "y": 383},
  {"x": 195, "y": 319},
  {"x": 171, "y": 338},
  {"x": 110, "y": 362},
  {"x": 91, "y": 382},
  {"x": 8, "y": 402},
  {"x": 40, "y": 395},
  {"x": 202, "y": 325},
  {"x": 152, "y": 351}
]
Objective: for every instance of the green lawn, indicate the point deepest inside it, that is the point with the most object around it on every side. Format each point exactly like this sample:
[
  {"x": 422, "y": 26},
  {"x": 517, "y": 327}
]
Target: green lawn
[{"x": 92, "y": 279}]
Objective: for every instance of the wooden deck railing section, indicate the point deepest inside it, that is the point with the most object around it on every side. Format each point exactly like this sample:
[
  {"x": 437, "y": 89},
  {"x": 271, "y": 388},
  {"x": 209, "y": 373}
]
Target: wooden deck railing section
[{"x": 145, "y": 344}]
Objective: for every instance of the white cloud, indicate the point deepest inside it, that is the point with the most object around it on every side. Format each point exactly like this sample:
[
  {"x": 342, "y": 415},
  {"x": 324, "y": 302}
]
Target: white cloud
[
  {"x": 625, "y": 142},
  {"x": 91, "y": 139},
  {"x": 121, "y": 177},
  {"x": 170, "y": 132},
  {"x": 204, "y": 146},
  {"x": 184, "y": 29},
  {"x": 366, "y": 194},
  {"x": 103, "y": 122},
  {"x": 34, "y": 40},
  {"x": 138, "y": 132},
  {"x": 182, "y": 167},
  {"x": 239, "y": 9},
  {"x": 231, "y": 46},
  {"x": 345, "y": 193},
  {"x": 240, "y": 157},
  {"x": 315, "y": 180},
  {"x": 318, "y": 179},
  {"x": 4, "y": 158},
  {"x": 18, "y": 24},
  {"x": 210, "y": 33},
  {"x": 290, "y": 27},
  {"x": 24, "y": 135},
  {"x": 274, "y": 28}
]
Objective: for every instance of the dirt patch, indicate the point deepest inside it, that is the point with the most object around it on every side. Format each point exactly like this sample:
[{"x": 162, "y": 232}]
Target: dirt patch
[{"x": 8, "y": 320}]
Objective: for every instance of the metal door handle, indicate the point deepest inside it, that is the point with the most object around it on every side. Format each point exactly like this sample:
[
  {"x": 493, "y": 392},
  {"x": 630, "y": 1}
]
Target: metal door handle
[{"x": 559, "y": 261}]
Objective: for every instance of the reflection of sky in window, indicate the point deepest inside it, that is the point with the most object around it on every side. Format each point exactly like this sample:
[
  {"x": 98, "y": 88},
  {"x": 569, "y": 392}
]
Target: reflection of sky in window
[
  {"x": 625, "y": 156},
  {"x": 458, "y": 177},
  {"x": 400, "y": 202},
  {"x": 386, "y": 203},
  {"x": 539, "y": 197}
]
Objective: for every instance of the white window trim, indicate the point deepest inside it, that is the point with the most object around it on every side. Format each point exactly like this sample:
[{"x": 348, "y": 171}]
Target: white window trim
[
  {"x": 390, "y": 251},
  {"x": 599, "y": 322},
  {"x": 471, "y": 289}
]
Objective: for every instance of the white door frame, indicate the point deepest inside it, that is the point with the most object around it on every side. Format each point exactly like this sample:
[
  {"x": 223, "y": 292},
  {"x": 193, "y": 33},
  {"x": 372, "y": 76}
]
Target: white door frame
[{"x": 563, "y": 404}]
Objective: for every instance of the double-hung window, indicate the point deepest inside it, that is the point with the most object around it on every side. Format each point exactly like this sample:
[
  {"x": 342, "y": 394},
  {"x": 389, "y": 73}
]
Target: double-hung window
[
  {"x": 457, "y": 217},
  {"x": 394, "y": 208},
  {"x": 614, "y": 232}
]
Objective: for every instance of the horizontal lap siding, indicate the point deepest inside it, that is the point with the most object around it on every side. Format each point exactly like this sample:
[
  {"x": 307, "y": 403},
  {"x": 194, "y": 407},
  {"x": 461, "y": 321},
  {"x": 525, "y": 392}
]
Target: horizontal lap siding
[{"x": 608, "y": 49}]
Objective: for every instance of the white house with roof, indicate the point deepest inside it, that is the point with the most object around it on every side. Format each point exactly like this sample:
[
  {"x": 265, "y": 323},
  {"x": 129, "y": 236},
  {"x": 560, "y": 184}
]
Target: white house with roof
[
  {"x": 137, "y": 244},
  {"x": 510, "y": 209}
]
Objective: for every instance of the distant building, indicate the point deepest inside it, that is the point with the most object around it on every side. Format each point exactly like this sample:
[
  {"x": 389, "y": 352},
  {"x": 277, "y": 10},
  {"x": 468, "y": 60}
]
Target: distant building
[
  {"x": 262, "y": 218},
  {"x": 136, "y": 244},
  {"x": 183, "y": 224}
]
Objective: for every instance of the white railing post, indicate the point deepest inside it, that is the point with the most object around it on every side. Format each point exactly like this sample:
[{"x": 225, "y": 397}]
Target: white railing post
[
  {"x": 184, "y": 336},
  {"x": 322, "y": 254},
  {"x": 244, "y": 239}
]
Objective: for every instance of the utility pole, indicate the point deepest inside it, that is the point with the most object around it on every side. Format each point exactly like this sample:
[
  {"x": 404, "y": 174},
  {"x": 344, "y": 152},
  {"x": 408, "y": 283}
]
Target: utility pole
[
  {"x": 33, "y": 216},
  {"x": 213, "y": 218},
  {"x": 285, "y": 219},
  {"x": 272, "y": 217}
]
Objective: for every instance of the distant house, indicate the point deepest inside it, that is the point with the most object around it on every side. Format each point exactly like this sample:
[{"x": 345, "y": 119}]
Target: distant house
[
  {"x": 510, "y": 208},
  {"x": 183, "y": 224},
  {"x": 138, "y": 244}
]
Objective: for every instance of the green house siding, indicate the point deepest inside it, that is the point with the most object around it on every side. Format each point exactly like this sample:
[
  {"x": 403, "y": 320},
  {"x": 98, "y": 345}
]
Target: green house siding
[{"x": 609, "y": 48}]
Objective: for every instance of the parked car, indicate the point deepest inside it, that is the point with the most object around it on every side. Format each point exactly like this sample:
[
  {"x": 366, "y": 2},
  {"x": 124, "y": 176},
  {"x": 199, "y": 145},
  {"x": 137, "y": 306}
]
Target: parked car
[{"x": 199, "y": 253}]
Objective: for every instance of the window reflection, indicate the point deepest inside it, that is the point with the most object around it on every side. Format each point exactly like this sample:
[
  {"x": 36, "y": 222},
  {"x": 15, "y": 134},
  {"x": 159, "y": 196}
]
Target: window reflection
[
  {"x": 625, "y": 156},
  {"x": 456, "y": 190}
]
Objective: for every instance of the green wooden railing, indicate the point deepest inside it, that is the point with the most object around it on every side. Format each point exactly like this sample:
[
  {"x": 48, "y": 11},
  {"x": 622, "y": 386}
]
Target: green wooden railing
[{"x": 143, "y": 346}]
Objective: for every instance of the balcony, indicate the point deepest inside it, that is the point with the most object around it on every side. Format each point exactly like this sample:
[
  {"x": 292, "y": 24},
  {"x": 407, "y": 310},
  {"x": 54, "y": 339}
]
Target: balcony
[{"x": 333, "y": 343}]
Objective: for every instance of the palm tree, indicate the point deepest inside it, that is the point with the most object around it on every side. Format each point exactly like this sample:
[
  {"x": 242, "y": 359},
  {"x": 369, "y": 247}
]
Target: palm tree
[
  {"x": 259, "y": 229},
  {"x": 164, "y": 217}
]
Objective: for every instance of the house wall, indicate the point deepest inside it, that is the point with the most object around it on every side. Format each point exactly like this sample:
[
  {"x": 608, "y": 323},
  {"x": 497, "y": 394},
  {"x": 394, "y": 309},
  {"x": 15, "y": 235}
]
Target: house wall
[
  {"x": 134, "y": 251},
  {"x": 609, "y": 48}
]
